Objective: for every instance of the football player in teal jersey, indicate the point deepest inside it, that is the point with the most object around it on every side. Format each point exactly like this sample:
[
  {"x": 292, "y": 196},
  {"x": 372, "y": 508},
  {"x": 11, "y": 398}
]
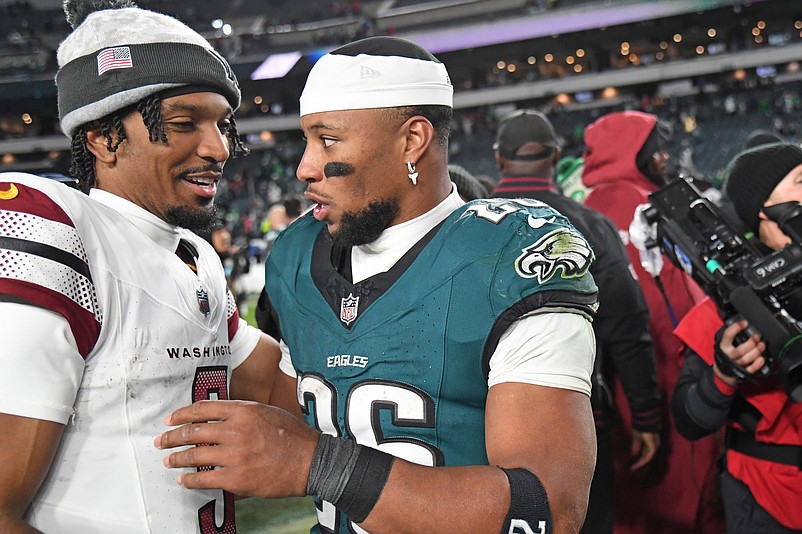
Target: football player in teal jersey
[{"x": 440, "y": 352}]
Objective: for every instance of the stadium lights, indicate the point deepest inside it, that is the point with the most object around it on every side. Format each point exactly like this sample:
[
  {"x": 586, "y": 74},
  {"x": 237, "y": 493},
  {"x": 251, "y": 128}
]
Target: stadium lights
[
  {"x": 609, "y": 93},
  {"x": 276, "y": 66}
]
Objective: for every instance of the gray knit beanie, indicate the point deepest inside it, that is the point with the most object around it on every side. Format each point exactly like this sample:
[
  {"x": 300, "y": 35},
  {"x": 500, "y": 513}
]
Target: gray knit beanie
[
  {"x": 754, "y": 174},
  {"x": 119, "y": 54}
]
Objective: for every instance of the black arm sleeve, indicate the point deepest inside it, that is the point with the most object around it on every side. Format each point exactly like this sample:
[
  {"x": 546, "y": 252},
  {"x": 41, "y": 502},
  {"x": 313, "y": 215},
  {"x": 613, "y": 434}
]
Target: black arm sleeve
[{"x": 698, "y": 406}]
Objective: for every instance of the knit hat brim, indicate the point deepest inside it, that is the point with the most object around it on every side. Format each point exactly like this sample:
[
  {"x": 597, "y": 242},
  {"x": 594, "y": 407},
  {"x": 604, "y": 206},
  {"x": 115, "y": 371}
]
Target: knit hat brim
[{"x": 753, "y": 174}]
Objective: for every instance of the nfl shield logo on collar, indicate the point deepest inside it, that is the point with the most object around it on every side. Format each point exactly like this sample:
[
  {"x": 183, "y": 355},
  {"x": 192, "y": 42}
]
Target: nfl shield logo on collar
[
  {"x": 349, "y": 308},
  {"x": 203, "y": 301}
]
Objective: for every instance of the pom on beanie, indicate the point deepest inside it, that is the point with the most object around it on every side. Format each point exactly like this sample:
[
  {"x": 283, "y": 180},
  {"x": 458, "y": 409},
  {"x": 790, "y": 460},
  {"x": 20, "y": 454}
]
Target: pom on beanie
[
  {"x": 119, "y": 54},
  {"x": 754, "y": 174}
]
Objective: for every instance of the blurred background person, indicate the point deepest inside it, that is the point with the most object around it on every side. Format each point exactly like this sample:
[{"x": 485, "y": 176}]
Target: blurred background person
[
  {"x": 468, "y": 186},
  {"x": 235, "y": 260},
  {"x": 625, "y": 160},
  {"x": 527, "y": 151},
  {"x": 293, "y": 207}
]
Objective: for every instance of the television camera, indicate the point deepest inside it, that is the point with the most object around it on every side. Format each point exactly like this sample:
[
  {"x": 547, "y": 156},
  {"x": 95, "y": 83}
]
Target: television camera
[{"x": 742, "y": 276}]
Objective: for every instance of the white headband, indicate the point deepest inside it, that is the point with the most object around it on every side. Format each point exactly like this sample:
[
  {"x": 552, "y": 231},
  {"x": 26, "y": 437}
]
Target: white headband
[{"x": 339, "y": 82}]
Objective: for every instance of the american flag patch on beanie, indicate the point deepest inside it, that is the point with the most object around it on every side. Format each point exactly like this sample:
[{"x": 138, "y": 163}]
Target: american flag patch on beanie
[{"x": 114, "y": 58}]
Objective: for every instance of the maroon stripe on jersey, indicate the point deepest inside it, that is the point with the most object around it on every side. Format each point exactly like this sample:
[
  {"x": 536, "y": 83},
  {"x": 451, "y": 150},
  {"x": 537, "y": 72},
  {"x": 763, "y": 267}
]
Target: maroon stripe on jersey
[
  {"x": 233, "y": 324},
  {"x": 33, "y": 201},
  {"x": 85, "y": 327}
]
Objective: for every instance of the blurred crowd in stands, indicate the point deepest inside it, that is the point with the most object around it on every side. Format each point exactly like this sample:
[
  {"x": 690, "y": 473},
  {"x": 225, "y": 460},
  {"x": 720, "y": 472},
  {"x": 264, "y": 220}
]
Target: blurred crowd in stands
[
  {"x": 711, "y": 120},
  {"x": 708, "y": 130}
]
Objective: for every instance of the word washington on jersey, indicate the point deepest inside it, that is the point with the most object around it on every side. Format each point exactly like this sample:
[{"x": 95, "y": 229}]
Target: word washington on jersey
[{"x": 108, "y": 363}]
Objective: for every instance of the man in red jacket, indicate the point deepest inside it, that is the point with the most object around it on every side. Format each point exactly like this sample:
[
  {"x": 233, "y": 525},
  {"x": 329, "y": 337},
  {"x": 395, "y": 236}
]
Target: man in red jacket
[{"x": 625, "y": 161}]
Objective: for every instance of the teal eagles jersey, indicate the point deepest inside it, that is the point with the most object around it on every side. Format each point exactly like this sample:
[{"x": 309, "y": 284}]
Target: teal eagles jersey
[{"x": 399, "y": 361}]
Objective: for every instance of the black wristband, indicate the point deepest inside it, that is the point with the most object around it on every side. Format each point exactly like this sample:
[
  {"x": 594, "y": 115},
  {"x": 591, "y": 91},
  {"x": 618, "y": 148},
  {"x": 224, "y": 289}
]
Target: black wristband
[
  {"x": 529, "y": 504},
  {"x": 348, "y": 475},
  {"x": 365, "y": 484}
]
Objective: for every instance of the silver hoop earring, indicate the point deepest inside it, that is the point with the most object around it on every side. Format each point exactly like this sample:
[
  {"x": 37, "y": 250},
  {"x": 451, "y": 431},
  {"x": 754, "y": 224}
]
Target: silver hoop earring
[{"x": 413, "y": 173}]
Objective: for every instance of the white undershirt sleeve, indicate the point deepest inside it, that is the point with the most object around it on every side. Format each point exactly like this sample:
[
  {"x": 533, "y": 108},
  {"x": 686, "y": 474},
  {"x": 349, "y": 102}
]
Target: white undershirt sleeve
[
  {"x": 547, "y": 349},
  {"x": 286, "y": 361},
  {"x": 40, "y": 366}
]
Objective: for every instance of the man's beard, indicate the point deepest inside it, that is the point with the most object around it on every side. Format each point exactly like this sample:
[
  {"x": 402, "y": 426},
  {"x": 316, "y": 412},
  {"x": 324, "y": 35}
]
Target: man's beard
[
  {"x": 199, "y": 220},
  {"x": 367, "y": 225}
]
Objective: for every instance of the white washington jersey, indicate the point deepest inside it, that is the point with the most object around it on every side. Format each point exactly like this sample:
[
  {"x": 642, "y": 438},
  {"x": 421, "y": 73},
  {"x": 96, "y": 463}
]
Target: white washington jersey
[{"x": 131, "y": 334}]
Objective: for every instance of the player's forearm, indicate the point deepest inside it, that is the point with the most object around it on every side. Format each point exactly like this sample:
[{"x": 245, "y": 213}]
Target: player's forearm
[{"x": 419, "y": 499}]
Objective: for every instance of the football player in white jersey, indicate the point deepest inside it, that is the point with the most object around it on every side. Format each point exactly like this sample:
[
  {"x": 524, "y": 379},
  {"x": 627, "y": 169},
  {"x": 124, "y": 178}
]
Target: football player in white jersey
[{"x": 113, "y": 312}]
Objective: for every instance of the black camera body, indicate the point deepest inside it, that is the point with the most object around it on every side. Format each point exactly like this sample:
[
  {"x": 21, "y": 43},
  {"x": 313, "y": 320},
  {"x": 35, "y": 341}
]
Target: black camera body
[{"x": 740, "y": 274}]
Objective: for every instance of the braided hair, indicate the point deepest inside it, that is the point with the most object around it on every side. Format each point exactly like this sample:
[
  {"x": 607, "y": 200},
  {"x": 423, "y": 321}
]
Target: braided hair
[{"x": 83, "y": 161}]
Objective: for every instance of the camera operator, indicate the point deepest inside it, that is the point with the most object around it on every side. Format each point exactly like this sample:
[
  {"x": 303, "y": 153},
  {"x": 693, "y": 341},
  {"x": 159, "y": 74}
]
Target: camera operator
[{"x": 761, "y": 478}]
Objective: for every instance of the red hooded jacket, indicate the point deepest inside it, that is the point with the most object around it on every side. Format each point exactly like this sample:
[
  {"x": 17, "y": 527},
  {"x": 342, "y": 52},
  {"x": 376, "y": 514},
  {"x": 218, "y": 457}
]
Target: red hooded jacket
[{"x": 663, "y": 496}]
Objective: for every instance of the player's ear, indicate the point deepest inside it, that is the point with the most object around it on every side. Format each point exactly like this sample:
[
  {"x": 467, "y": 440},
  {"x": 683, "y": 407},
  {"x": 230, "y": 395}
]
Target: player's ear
[
  {"x": 419, "y": 135},
  {"x": 98, "y": 144}
]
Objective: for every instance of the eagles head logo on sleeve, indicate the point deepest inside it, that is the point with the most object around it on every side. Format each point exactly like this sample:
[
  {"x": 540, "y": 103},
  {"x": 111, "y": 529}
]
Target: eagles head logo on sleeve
[{"x": 559, "y": 250}]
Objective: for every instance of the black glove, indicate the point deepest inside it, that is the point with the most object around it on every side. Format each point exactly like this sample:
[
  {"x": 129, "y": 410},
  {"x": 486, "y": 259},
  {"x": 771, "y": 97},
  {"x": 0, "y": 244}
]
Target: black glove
[{"x": 724, "y": 363}]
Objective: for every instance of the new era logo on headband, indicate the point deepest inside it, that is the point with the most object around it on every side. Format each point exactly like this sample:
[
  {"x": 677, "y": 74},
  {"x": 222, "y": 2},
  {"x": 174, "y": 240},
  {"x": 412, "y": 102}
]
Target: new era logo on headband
[
  {"x": 114, "y": 58},
  {"x": 367, "y": 72}
]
